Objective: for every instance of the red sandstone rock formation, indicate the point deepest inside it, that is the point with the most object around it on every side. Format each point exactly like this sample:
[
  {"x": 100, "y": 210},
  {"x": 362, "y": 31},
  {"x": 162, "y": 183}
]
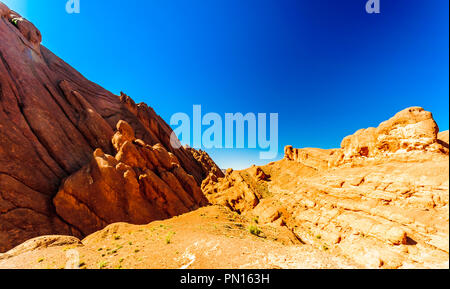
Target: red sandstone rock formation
[
  {"x": 141, "y": 184},
  {"x": 51, "y": 121},
  {"x": 207, "y": 163}
]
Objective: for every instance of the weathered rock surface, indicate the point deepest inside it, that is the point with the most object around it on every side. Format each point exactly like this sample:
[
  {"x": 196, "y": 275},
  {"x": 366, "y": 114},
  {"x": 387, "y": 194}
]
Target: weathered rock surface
[
  {"x": 231, "y": 191},
  {"x": 51, "y": 121},
  {"x": 410, "y": 134},
  {"x": 41, "y": 243},
  {"x": 207, "y": 163},
  {"x": 443, "y": 138},
  {"x": 409, "y": 131},
  {"x": 210, "y": 237},
  {"x": 312, "y": 157},
  {"x": 142, "y": 183},
  {"x": 387, "y": 207}
]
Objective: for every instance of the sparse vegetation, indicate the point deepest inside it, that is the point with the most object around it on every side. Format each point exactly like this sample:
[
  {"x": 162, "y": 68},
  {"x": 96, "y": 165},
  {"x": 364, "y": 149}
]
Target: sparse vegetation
[
  {"x": 254, "y": 230},
  {"x": 115, "y": 250},
  {"x": 102, "y": 265},
  {"x": 15, "y": 21},
  {"x": 169, "y": 237},
  {"x": 261, "y": 187}
]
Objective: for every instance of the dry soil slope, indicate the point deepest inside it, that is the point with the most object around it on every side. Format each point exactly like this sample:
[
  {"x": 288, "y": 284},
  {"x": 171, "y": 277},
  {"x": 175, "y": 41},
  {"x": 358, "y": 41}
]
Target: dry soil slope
[{"x": 211, "y": 237}]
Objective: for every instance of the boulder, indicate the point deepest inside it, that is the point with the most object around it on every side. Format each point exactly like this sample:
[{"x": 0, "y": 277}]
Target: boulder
[{"x": 411, "y": 129}]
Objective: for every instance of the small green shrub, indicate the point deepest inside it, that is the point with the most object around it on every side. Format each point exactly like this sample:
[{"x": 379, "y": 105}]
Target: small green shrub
[
  {"x": 15, "y": 21},
  {"x": 254, "y": 230},
  {"x": 102, "y": 265},
  {"x": 169, "y": 237}
]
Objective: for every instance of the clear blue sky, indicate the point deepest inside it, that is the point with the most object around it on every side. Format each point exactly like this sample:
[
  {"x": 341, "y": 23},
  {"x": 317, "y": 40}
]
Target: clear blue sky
[{"x": 325, "y": 66}]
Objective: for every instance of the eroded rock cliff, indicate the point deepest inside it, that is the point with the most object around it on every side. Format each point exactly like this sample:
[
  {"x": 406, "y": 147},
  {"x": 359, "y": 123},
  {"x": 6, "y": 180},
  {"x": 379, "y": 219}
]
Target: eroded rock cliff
[
  {"x": 52, "y": 119},
  {"x": 142, "y": 183}
]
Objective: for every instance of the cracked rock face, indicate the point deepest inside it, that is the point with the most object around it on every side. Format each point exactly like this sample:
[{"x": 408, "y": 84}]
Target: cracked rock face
[{"x": 52, "y": 119}]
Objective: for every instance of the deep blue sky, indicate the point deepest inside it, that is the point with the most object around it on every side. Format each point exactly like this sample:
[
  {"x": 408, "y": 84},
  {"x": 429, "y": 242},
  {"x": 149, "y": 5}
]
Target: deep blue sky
[{"x": 325, "y": 66}]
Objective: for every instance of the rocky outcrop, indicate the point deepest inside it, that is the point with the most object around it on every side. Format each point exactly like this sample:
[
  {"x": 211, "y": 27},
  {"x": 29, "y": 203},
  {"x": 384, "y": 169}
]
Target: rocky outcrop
[
  {"x": 410, "y": 133},
  {"x": 382, "y": 200},
  {"x": 207, "y": 163},
  {"x": 443, "y": 138},
  {"x": 41, "y": 243},
  {"x": 142, "y": 183},
  {"x": 238, "y": 191},
  {"x": 312, "y": 157},
  {"x": 51, "y": 121},
  {"x": 26, "y": 28}
]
